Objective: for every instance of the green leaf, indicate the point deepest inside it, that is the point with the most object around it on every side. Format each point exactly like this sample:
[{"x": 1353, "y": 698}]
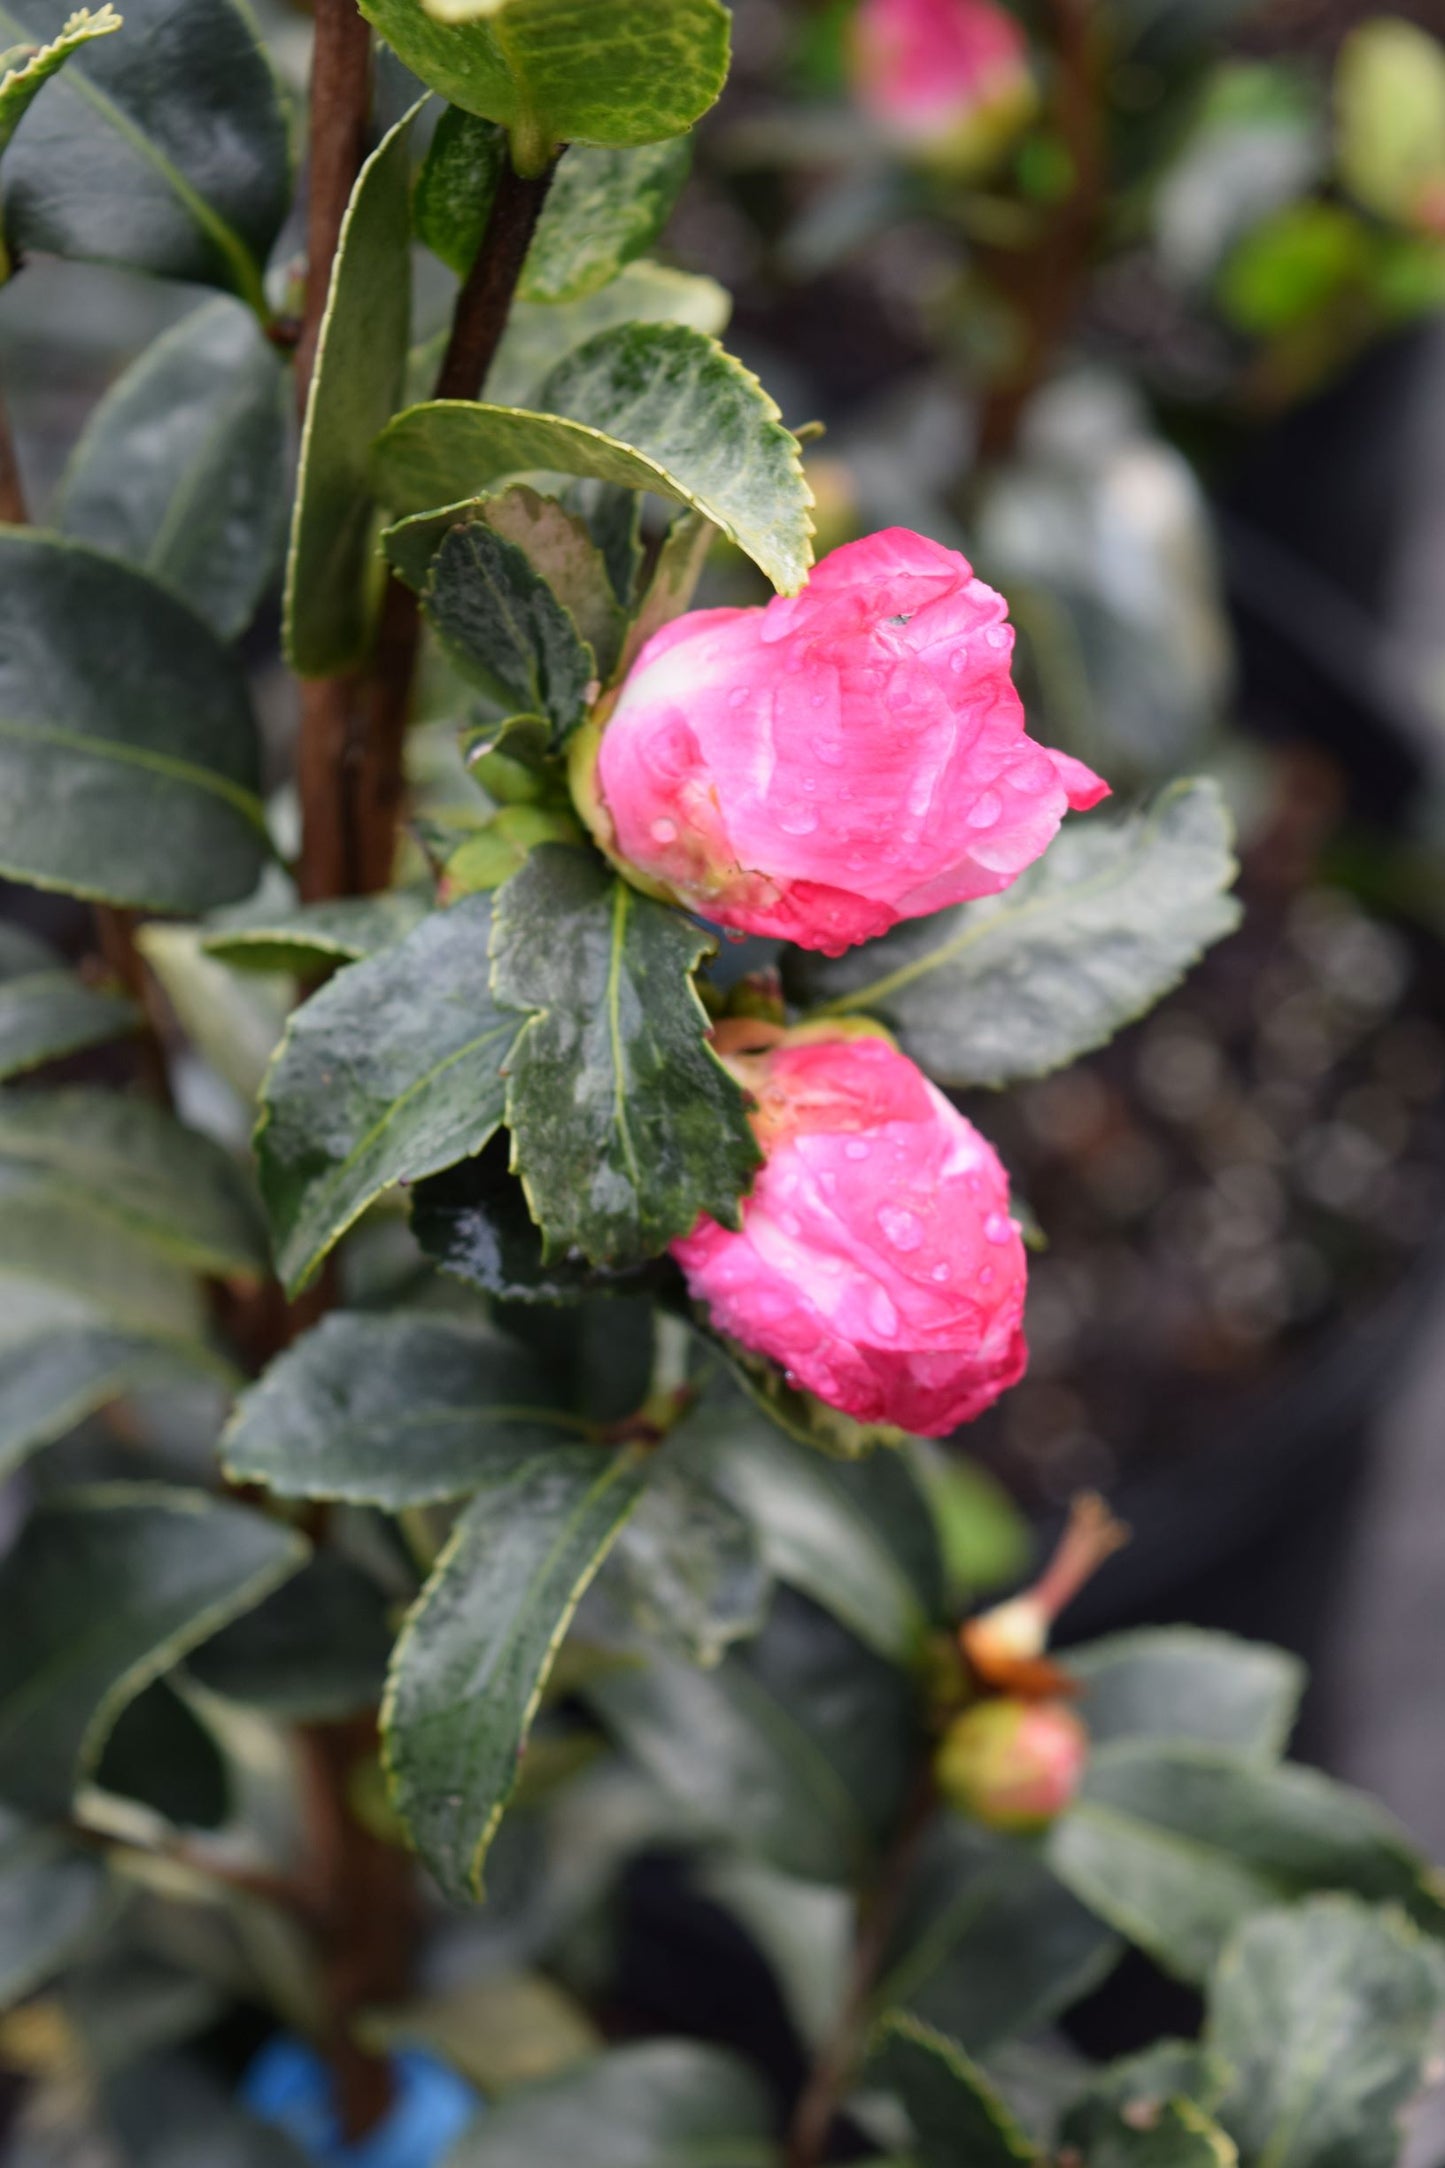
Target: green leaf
[
  {"x": 554, "y": 541},
  {"x": 1153, "y": 2110},
  {"x": 474, "y": 1655},
  {"x": 1324, "y": 2016},
  {"x": 1090, "y": 937},
  {"x": 164, "y": 148},
  {"x": 675, "y": 573},
  {"x": 395, "y": 1410},
  {"x": 29, "y": 70},
  {"x": 390, "y": 1072},
  {"x": 1180, "y": 1683},
  {"x": 539, "y": 333},
  {"x": 356, "y": 386},
  {"x": 955, "y": 2113},
  {"x": 1390, "y": 113},
  {"x": 46, "y": 1012},
  {"x": 55, "y": 1247},
  {"x": 653, "y": 406},
  {"x": 604, "y": 208},
  {"x": 1177, "y": 2135},
  {"x": 313, "y": 937},
  {"x": 988, "y": 1942},
  {"x": 138, "y": 1165},
  {"x": 473, "y": 1221},
  {"x": 503, "y": 628},
  {"x": 853, "y": 1536},
  {"x": 234, "y": 1022},
  {"x": 687, "y": 1571},
  {"x": 796, "y": 1749},
  {"x": 801, "y": 1415},
  {"x": 105, "y": 1589},
  {"x": 52, "y": 1898},
  {"x": 56, "y": 1368},
  {"x": 130, "y": 775},
  {"x": 452, "y": 200},
  {"x": 554, "y": 71},
  {"x": 655, "y": 2104},
  {"x": 624, "y": 1124},
  {"x": 313, "y": 1652},
  {"x": 182, "y": 466},
  {"x": 1176, "y": 1846},
  {"x": 984, "y": 1541}
]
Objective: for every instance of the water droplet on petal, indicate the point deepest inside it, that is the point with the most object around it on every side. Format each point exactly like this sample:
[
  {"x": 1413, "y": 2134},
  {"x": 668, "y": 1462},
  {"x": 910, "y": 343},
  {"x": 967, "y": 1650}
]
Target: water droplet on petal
[
  {"x": 997, "y": 1228},
  {"x": 829, "y": 751},
  {"x": 882, "y": 1316},
  {"x": 958, "y": 660},
  {"x": 664, "y": 831},
  {"x": 903, "y": 1228},
  {"x": 945, "y": 1272},
  {"x": 987, "y": 1277},
  {"x": 738, "y": 695},
  {"x": 986, "y": 810},
  {"x": 998, "y": 636},
  {"x": 855, "y": 1148},
  {"x": 799, "y": 820}
]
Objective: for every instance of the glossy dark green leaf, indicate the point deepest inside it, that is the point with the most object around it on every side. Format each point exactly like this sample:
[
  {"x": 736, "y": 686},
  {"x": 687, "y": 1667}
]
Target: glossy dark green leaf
[
  {"x": 57, "y": 1366},
  {"x": 455, "y": 185},
  {"x": 551, "y": 71},
  {"x": 1178, "y": 1682},
  {"x": 653, "y": 2104},
  {"x": 472, "y": 1660},
  {"x": 135, "y": 1163},
  {"x": 46, "y": 1012},
  {"x": 356, "y": 386},
  {"x": 473, "y": 1221},
  {"x": 1323, "y": 2016},
  {"x": 313, "y": 1652},
  {"x": 1178, "y": 2134},
  {"x": 394, "y": 1410},
  {"x": 312, "y": 938},
  {"x": 854, "y": 1537},
  {"x": 988, "y": 1942},
  {"x": 23, "y": 73},
  {"x": 129, "y": 760},
  {"x": 105, "y": 1589},
  {"x": 1153, "y": 2110},
  {"x": 504, "y": 629},
  {"x": 164, "y": 147},
  {"x": 1092, "y": 935},
  {"x": 955, "y": 2113},
  {"x": 390, "y": 1072},
  {"x": 624, "y": 1124},
  {"x": 687, "y": 1572},
  {"x": 672, "y": 583},
  {"x": 182, "y": 467},
  {"x": 653, "y": 406},
  {"x": 796, "y": 1749},
  {"x": 160, "y": 1755},
  {"x": 554, "y": 541},
  {"x": 53, "y": 1896},
  {"x": 604, "y": 208},
  {"x": 540, "y": 333},
  {"x": 1176, "y": 1846},
  {"x": 802, "y": 1415}
]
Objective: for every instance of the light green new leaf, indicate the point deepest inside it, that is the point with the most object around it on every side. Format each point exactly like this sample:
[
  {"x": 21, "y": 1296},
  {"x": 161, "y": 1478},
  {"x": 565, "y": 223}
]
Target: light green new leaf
[
  {"x": 652, "y": 406},
  {"x": 540, "y": 333},
  {"x": 312, "y": 938},
  {"x": 135, "y": 1163},
  {"x": 604, "y": 208},
  {"x": 52, "y": 1898},
  {"x": 955, "y": 2113},
  {"x": 565, "y": 71},
  {"x": 474, "y": 1655},
  {"x": 555, "y": 542},
  {"x": 395, "y": 1410},
  {"x": 165, "y": 148},
  {"x": 105, "y": 1589},
  {"x": 390, "y": 1072},
  {"x": 1180, "y": 1683},
  {"x": 182, "y": 466},
  {"x": 1176, "y": 1846},
  {"x": 1390, "y": 113},
  {"x": 654, "y": 2104},
  {"x": 503, "y": 628},
  {"x": 20, "y": 83},
  {"x": 46, "y": 1011},
  {"x": 356, "y": 386},
  {"x": 129, "y": 758},
  {"x": 1323, "y": 2015},
  {"x": 1090, "y": 937},
  {"x": 624, "y": 1124}
]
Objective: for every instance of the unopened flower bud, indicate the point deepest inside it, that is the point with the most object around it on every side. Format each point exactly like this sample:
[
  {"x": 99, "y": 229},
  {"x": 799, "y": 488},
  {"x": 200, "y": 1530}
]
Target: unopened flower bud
[
  {"x": 1005, "y": 1646},
  {"x": 1013, "y": 1765}
]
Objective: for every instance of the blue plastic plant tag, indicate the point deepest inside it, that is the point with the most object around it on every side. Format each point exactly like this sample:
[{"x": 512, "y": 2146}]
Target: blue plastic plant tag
[{"x": 289, "y": 2086}]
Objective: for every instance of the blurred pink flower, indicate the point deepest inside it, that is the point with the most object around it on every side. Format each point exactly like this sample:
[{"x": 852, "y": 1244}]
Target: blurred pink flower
[
  {"x": 838, "y": 760},
  {"x": 877, "y": 1262},
  {"x": 949, "y": 78}
]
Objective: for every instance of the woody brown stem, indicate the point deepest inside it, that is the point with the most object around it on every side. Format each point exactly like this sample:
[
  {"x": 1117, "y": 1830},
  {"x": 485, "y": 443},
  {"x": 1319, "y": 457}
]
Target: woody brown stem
[{"x": 13, "y": 509}]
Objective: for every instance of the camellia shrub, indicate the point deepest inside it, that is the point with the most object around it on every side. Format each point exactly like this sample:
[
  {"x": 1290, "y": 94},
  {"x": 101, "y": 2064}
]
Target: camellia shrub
[{"x": 489, "y": 1251}]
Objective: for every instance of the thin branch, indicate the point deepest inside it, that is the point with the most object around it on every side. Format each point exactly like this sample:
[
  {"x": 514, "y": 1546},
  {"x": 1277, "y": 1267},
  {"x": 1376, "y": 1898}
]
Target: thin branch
[
  {"x": 485, "y": 301},
  {"x": 13, "y": 509},
  {"x": 340, "y": 110}
]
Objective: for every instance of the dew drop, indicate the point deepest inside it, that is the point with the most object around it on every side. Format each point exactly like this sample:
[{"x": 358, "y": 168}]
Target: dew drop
[
  {"x": 799, "y": 820},
  {"x": 958, "y": 660},
  {"x": 903, "y": 1228},
  {"x": 738, "y": 695},
  {"x": 998, "y": 636},
  {"x": 855, "y": 1148},
  {"x": 942, "y": 1272},
  {"x": 986, "y": 810},
  {"x": 829, "y": 751},
  {"x": 664, "y": 831},
  {"x": 997, "y": 1228},
  {"x": 882, "y": 1316}
]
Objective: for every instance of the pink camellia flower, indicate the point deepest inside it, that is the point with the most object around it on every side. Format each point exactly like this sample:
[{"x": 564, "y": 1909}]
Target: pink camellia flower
[
  {"x": 839, "y": 760},
  {"x": 877, "y": 1262},
  {"x": 947, "y": 78}
]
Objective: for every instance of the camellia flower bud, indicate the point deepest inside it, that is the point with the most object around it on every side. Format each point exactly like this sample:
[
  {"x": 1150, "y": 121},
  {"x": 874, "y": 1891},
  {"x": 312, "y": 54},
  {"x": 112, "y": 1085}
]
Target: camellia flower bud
[
  {"x": 836, "y": 761},
  {"x": 1012, "y": 1764},
  {"x": 947, "y": 80},
  {"x": 1005, "y": 1646},
  {"x": 877, "y": 1262}
]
